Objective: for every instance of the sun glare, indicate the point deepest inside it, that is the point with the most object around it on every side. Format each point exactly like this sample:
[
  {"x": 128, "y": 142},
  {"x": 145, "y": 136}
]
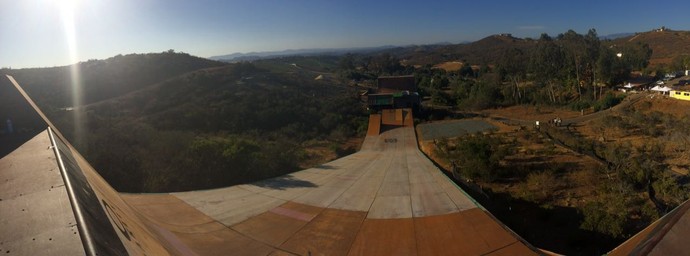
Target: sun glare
[{"x": 68, "y": 11}]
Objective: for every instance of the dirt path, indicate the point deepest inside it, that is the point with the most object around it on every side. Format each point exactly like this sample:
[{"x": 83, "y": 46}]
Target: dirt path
[
  {"x": 574, "y": 120},
  {"x": 626, "y": 103}
]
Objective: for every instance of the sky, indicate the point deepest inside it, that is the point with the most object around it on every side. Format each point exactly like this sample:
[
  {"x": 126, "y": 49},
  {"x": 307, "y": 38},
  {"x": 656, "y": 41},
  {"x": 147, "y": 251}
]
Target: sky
[{"x": 46, "y": 33}]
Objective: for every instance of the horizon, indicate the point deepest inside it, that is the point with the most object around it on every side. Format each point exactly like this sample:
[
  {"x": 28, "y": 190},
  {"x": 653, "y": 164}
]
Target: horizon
[{"x": 50, "y": 33}]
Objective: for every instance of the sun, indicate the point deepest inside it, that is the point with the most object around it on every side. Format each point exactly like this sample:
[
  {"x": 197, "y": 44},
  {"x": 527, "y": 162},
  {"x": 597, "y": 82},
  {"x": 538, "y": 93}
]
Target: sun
[
  {"x": 66, "y": 3},
  {"x": 67, "y": 7}
]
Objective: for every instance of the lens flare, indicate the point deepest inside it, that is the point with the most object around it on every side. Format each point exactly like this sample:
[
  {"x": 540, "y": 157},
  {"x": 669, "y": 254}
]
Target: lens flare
[{"x": 67, "y": 13}]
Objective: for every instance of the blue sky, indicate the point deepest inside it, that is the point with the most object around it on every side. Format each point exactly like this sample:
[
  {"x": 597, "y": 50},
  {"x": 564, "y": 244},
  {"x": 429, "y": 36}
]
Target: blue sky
[{"x": 44, "y": 33}]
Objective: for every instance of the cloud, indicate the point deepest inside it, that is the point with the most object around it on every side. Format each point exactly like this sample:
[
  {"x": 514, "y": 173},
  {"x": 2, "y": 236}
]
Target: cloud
[{"x": 536, "y": 27}]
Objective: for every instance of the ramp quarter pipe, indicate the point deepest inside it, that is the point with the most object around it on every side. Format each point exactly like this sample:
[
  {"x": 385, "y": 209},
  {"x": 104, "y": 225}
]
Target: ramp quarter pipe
[{"x": 386, "y": 199}]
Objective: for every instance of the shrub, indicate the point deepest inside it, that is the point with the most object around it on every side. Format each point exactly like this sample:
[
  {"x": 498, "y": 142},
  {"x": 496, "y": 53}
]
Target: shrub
[{"x": 608, "y": 101}]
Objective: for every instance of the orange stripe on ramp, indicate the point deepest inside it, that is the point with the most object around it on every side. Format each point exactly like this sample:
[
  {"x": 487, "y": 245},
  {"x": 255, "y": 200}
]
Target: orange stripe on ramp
[
  {"x": 331, "y": 233},
  {"x": 374, "y": 124},
  {"x": 385, "y": 237}
]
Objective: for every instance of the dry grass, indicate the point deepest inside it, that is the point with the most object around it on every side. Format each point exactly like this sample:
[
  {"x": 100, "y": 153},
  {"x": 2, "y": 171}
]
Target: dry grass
[
  {"x": 665, "y": 45},
  {"x": 450, "y": 66},
  {"x": 576, "y": 174},
  {"x": 676, "y": 150},
  {"x": 527, "y": 112},
  {"x": 579, "y": 177}
]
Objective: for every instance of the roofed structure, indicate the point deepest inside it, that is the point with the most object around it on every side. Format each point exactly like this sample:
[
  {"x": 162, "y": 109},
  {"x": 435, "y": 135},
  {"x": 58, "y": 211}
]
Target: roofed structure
[
  {"x": 391, "y": 84},
  {"x": 394, "y": 92}
]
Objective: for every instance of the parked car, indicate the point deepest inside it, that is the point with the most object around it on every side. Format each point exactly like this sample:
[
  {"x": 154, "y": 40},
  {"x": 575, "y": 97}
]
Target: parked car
[
  {"x": 660, "y": 82},
  {"x": 683, "y": 82}
]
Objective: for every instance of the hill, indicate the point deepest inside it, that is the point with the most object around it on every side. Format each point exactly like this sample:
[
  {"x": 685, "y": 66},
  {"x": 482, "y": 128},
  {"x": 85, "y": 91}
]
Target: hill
[
  {"x": 105, "y": 79},
  {"x": 251, "y": 56},
  {"x": 666, "y": 45},
  {"x": 485, "y": 51},
  {"x": 215, "y": 127}
]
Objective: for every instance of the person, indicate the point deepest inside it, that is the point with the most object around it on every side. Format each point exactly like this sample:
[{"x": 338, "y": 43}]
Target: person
[{"x": 10, "y": 129}]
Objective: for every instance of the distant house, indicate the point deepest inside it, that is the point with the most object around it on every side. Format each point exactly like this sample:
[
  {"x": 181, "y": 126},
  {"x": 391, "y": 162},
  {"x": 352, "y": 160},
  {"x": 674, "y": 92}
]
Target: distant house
[
  {"x": 638, "y": 84},
  {"x": 661, "y": 89},
  {"x": 403, "y": 99},
  {"x": 681, "y": 95},
  {"x": 393, "y": 92}
]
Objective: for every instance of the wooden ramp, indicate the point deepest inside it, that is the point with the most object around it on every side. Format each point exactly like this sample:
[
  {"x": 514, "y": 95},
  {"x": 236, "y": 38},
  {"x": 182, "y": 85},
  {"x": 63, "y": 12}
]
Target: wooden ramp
[
  {"x": 390, "y": 117},
  {"x": 387, "y": 199},
  {"x": 374, "y": 125},
  {"x": 397, "y": 117},
  {"x": 666, "y": 236},
  {"x": 408, "y": 120}
]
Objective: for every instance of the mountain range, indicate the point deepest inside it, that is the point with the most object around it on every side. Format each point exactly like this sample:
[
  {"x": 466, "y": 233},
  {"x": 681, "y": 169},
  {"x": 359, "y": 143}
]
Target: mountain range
[
  {"x": 234, "y": 57},
  {"x": 666, "y": 45}
]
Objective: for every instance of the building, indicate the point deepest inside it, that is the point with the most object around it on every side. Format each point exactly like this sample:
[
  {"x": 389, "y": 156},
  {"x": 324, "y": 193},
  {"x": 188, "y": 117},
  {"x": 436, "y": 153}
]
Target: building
[
  {"x": 638, "y": 84},
  {"x": 404, "y": 99},
  {"x": 393, "y": 92},
  {"x": 681, "y": 95}
]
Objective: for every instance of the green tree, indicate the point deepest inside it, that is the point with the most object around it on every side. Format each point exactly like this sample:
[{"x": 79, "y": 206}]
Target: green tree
[
  {"x": 512, "y": 67},
  {"x": 466, "y": 71},
  {"x": 576, "y": 55},
  {"x": 593, "y": 50},
  {"x": 604, "y": 67},
  {"x": 598, "y": 219},
  {"x": 547, "y": 66},
  {"x": 478, "y": 156},
  {"x": 681, "y": 62},
  {"x": 636, "y": 56}
]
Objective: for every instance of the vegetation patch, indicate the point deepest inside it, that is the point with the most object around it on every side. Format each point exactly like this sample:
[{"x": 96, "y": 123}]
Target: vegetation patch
[{"x": 455, "y": 128}]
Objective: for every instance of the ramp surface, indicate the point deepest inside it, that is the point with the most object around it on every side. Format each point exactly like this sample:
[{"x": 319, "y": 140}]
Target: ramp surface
[
  {"x": 666, "y": 236},
  {"x": 35, "y": 214},
  {"x": 374, "y": 124},
  {"x": 391, "y": 117},
  {"x": 387, "y": 199}
]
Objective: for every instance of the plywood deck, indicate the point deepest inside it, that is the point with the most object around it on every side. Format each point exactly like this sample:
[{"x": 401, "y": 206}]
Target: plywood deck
[
  {"x": 35, "y": 213},
  {"x": 374, "y": 125},
  {"x": 387, "y": 199}
]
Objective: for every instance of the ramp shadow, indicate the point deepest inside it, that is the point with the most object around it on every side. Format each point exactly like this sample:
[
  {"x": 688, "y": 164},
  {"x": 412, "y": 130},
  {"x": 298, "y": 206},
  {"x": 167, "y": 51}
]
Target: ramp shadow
[
  {"x": 285, "y": 182},
  {"x": 19, "y": 122}
]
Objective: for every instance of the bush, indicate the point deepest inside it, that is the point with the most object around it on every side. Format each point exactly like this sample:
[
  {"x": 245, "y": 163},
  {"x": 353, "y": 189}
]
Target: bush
[
  {"x": 478, "y": 156},
  {"x": 580, "y": 105},
  {"x": 597, "y": 219},
  {"x": 608, "y": 101},
  {"x": 542, "y": 185}
]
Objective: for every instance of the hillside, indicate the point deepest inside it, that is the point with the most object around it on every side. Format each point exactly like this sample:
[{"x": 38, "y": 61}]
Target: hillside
[
  {"x": 104, "y": 79},
  {"x": 252, "y": 56},
  {"x": 666, "y": 45},
  {"x": 216, "y": 127},
  {"x": 485, "y": 51}
]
